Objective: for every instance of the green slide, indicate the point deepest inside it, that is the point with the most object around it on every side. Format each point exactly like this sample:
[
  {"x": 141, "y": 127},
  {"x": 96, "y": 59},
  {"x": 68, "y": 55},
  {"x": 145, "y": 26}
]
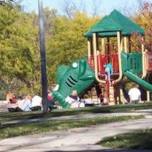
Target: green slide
[
  {"x": 132, "y": 67},
  {"x": 138, "y": 80},
  {"x": 78, "y": 76}
]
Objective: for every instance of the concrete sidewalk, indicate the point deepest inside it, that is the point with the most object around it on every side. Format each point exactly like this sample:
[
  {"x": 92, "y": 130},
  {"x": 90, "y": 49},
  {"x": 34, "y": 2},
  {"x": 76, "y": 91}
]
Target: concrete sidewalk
[{"x": 78, "y": 139}]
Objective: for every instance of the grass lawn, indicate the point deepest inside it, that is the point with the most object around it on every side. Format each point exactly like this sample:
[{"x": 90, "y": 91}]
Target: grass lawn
[
  {"x": 57, "y": 113},
  {"x": 140, "y": 139},
  {"x": 45, "y": 126},
  {"x": 7, "y": 130}
]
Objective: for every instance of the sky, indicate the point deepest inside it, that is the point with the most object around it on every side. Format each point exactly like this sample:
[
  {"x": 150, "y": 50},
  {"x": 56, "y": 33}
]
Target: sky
[{"x": 103, "y": 6}]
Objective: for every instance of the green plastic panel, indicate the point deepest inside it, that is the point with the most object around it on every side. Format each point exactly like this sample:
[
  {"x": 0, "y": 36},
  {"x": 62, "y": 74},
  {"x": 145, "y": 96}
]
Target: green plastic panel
[
  {"x": 79, "y": 76},
  {"x": 132, "y": 62}
]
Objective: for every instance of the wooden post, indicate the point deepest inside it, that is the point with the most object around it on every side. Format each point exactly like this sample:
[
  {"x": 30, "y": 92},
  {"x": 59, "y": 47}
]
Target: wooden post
[
  {"x": 142, "y": 47},
  {"x": 95, "y": 53},
  {"x": 97, "y": 42},
  {"x": 148, "y": 95},
  {"x": 103, "y": 45},
  {"x": 95, "y": 48},
  {"x": 95, "y": 58},
  {"x": 144, "y": 70},
  {"x": 122, "y": 43},
  {"x": 119, "y": 57},
  {"x": 129, "y": 41},
  {"x": 89, "y": 49},
  {"x": 108, "y": 48},
  {"x": 119, "y": 41},
  {"x": 125, "y": 44}
]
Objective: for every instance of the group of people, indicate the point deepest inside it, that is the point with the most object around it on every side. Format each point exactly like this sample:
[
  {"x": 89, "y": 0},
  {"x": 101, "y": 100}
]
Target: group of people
[
  {"x": 132, "y": 96},
  {"x": 28, "y": 103}
]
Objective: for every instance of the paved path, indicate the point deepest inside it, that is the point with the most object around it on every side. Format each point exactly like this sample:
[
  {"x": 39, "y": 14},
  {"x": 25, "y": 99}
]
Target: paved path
[{"x": 79, "y": 139}]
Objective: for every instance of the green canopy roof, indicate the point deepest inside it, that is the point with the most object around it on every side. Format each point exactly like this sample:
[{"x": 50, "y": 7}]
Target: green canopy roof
[{"x": 109, "y": 25}]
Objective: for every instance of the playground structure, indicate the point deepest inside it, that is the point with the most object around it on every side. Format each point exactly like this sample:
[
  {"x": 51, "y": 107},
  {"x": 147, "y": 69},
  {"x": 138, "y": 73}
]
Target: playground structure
[
  {"x": 78, "y": 76},
  {"x": 119, "y": 60}
]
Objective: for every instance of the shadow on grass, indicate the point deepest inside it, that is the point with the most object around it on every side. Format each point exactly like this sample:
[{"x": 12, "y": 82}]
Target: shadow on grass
[
  {"x": 139, "y": 139},
  {"x": 7, "y": 116}
]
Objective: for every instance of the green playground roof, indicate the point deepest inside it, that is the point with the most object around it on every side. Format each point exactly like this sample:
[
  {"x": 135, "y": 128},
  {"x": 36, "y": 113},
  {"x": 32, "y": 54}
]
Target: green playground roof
[{"x": 109, "y": 25}]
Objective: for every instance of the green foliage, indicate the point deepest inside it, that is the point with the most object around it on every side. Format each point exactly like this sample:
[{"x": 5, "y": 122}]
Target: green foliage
[
  {"x": 67, "y": 42},
  {"x": 19, "y": 57},
  {"x": 144, "y": 18}
]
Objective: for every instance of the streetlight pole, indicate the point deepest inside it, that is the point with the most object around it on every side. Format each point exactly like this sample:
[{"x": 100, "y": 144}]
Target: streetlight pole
[{"x": 43, "y": 56}]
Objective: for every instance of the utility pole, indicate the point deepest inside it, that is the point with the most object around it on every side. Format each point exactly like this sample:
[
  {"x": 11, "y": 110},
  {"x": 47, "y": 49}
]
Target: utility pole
[{"x": 43, "y": 57}]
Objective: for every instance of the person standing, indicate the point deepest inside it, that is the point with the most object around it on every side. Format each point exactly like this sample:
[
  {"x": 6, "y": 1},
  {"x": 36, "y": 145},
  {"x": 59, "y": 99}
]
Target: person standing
[
  {"x": 108, "y": 72},
  {"x": 134, "y": 95}
]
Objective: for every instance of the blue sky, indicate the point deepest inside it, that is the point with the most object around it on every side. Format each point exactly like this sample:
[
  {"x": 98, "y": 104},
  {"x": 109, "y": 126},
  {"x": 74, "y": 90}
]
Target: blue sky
[{"x": 104, "y": 6}]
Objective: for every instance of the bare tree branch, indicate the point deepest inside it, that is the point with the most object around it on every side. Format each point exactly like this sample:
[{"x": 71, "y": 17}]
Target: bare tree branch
[
  {"x": 69, "y": 8},
  {"x": 96, "y": 4}
]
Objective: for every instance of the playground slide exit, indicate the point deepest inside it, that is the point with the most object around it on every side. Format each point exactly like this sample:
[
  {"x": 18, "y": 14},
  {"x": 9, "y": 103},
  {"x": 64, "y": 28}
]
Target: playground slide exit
[{"x": 138, "y": 80}]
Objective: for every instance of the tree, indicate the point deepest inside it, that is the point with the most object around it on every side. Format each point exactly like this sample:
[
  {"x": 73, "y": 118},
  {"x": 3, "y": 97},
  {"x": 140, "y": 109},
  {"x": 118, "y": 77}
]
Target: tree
[
  {"x": 18, "y": 43},
  {"x": 144, "y": 18},
  {"x": 67, "y": 42}
]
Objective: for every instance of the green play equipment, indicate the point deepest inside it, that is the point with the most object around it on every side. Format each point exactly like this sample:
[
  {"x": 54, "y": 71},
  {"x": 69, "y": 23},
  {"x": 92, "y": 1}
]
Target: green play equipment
[
  {"x": 131, "y": 63},
  {"x": 138, "y": 80},
  {"x": 124, "y": 61},
  {"x": 79, "y": 76},
  {"x": 132, "y": 68},
  {"x": 111, "y": 24}
]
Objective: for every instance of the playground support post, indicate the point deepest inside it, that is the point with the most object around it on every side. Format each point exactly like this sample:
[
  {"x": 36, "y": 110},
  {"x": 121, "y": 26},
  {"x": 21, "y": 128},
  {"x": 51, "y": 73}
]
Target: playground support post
[
  {"x": 143, "y": 60},
  {"x": 146, "y": 60},
  {"x": 95, "y": 58},
  {"x": 148, "y": 95},
  {"x": 103, "y": 45},
  {"x": 129, "y": 42},
  {"x": 89, "y": 49},
  {"x": 43, "y": 56},
  {"x": 108, "y": 46},
  {"x": 119, "y": 42},
  {"x": 125, "y": 44}
]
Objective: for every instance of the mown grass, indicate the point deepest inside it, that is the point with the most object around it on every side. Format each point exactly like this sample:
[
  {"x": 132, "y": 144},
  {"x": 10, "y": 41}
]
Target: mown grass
[
  {"x": 57, "y": 113},
  {"x": 45, "y": 126},
  {"x": 139, "y": 139}
]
